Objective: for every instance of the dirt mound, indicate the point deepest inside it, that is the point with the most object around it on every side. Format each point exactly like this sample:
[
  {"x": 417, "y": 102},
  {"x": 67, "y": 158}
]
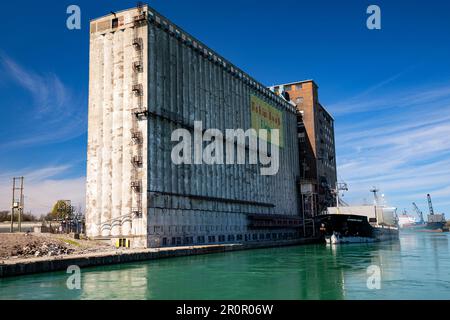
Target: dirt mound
[
  {"x": 31, "y": 245},
  {"x": 27, "y": 245}
]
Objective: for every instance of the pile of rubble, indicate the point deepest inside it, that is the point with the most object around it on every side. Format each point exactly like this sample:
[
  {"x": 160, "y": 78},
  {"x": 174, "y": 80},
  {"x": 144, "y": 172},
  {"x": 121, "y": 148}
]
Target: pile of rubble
[
  {"x": 29, "y": 246},
  {"x": 41, "y": 250}
]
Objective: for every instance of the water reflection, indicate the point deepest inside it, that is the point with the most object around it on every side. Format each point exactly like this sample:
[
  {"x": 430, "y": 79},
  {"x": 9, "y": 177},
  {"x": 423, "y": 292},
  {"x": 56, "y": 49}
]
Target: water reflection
[
  {"x": 416, "y": 267},
  {"x": 129, "y": 282}
]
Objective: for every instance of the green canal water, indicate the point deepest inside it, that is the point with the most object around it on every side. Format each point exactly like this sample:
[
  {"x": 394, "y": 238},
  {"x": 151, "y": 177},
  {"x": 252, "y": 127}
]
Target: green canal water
[{"x": 416, "y": 267}]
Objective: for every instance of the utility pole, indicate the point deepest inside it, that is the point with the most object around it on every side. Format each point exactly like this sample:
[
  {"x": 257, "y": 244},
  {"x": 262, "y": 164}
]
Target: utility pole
[
  {"x": 21, "y": 204},
  {"x": 17, "y": 204},
  {"x": 13, "y": 205}
]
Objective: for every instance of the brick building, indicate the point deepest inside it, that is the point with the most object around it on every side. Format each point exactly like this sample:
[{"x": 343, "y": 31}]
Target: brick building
[{"x": 316, "y": 146}]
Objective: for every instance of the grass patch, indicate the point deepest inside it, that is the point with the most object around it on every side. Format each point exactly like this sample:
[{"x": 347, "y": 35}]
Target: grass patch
[{"x": 70, "y": 241}]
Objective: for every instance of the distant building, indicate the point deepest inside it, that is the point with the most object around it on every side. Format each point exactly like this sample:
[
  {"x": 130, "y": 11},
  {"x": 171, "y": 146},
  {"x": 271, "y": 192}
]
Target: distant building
[{"x": 317, "y": 150}]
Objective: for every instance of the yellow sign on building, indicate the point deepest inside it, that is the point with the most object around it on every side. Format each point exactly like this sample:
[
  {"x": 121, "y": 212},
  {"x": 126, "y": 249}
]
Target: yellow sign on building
[{"x": 264, "y": 116}]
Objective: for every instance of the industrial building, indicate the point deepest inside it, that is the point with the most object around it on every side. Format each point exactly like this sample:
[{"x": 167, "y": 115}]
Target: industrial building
[
  {"x": 317, "y": 150},
  {"x": 148, "y": 78}
]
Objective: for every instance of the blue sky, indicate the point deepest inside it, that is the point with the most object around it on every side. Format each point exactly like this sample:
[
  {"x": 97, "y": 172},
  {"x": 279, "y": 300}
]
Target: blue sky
[{"x": 389, "y": 89}]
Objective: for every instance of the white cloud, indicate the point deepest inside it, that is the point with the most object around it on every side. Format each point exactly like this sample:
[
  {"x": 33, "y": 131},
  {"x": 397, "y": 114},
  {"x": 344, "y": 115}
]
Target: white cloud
[
  {"x": 42, "y": 190},
  {"x": 404, "y": 150}
]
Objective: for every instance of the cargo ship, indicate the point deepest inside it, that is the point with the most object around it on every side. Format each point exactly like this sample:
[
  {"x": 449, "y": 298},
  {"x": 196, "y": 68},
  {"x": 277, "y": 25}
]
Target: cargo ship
[
  {"x": 410, "y": 222},
  {"x": 406, "y": 221},
  {"x": 359, "y": 224},
  {"x": 435, "y": 222}
]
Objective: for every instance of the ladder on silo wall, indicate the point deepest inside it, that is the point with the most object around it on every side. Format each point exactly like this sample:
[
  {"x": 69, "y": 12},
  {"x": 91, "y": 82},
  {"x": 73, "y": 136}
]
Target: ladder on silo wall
[{"x": 139, "y": 112}]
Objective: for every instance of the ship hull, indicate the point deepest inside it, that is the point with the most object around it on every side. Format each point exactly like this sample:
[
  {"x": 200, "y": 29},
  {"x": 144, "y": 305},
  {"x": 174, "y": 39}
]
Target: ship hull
[
  {"x": 414, "y": 227},
  {"x": 336, "y": 239},
  {"x": 429, "y": 227},
  {"x": 435, "y": 227},
  {"x": 346, "y": 229}
]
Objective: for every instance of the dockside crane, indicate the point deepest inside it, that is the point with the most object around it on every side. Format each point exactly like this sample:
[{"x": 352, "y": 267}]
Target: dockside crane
[
  {"x": 419, "y": 212},
  {"x": 340, "y": 186},
  {"x": 430, "y": 205},
  {"x": 436, "y": 221},
  {"x": 375, "y": 191}
]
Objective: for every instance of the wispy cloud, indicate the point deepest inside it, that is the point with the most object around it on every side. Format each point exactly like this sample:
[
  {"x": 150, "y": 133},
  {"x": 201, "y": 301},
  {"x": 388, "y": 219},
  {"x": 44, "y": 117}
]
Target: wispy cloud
[
  {"x": 46, "y": 111},
  {"x": 400, "y": 144},
  {"x": 43, "y": 187},
  {"x": 421, "y": 96},
  {"x": 378, "y": 85},
  {"x": 55, "y": 113},
  {"x": 36, "y": 175}
]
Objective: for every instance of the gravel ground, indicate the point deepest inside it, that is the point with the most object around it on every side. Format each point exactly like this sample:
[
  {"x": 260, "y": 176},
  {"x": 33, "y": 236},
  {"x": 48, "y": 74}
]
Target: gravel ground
[{"x": 15, "y": 246}]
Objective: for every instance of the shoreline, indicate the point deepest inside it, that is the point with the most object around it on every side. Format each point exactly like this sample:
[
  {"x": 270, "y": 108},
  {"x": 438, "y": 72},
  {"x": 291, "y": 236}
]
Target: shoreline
[{"x": 18, "y": 267}]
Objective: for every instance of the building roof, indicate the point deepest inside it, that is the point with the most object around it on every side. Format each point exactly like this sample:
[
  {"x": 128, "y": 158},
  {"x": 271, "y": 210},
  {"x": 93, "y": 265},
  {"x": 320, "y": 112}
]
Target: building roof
[
  {"x": 166, "y": 24},
  {"x": 296, "y": 82},
  {"x": 325, "y": 109},
  {"x": 304, "y": 81}
]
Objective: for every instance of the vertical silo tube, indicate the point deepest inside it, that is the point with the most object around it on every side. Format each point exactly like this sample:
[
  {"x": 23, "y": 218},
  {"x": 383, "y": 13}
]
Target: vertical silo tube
[
  {"x": 107, "y": 137},
  {"x": 173, "y": 110},
  {"x": 101, "y": 106},
  {"x": 179, "y": 107},
  {"x": 165, "y": 123},
  {"x": 127, "y": 127},
  {"x": 208, "y": 123},
  {"x": 158, "y": 102},
  {"x": 222, "y": 180},
  {"x": 94, "y": 143},
  {"x": 117, "y": 133},
  {"x": 152, "y": 140},
  {"x": 193, "y": 110},
  {"x": 236, "y": 125},
  {"x": 216, "y": 124},
  {"x": 201, "y": 113},
  {"x": 185, "y": 113}
]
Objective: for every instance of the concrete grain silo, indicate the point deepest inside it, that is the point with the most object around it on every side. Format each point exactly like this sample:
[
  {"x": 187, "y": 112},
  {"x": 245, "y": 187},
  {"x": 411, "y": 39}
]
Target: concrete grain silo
[{"x": 148, "y": 78}]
